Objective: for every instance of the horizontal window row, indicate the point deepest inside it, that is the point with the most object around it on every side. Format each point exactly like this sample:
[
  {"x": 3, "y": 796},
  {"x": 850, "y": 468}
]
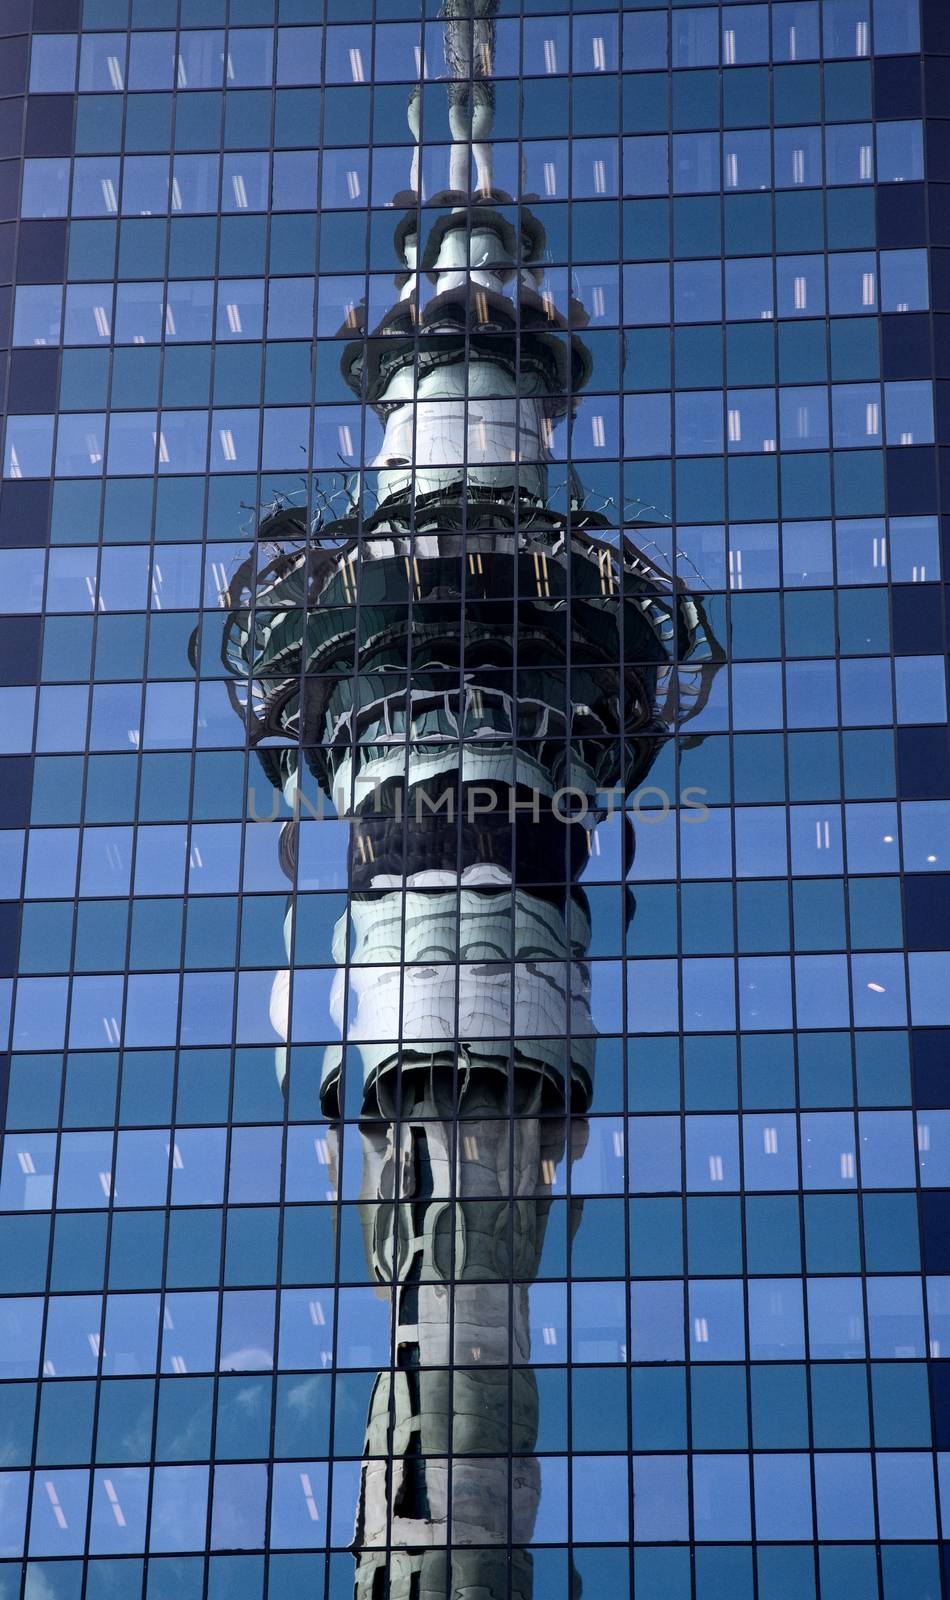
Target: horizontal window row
[
  {"x": 503, "y": 428},
  {"x": 695, "y": 841},
  {"x": 811, "y": 694},
  {"x": 703, "y": 994},
  {"x": 179, "y": 1508},
  {"x": 670, "y": 920},
  {"x": 821, "y": 1233},
  {"x": 209, "y": 1086},
  {"x": 290, "y": 118},
  {"x": 690, "y": 163},
  {"x": 701, "y": 840},
  {"x": 195, "y": 59},
  {"x": 115, "y": 708},
  {"x": 141, "y": 1167},
  {"x": 811, "y": 768},
  {"x": 760, "y": 1319},
  {"x": 479, "y": 431},
  {"x": 584, "y": 233},
  {"x": 662, "y": 1572},
  {"x": 756, "y": 620},
  {"x": 744, "y": 420},
  {"x": 443, "y": 700},
  {"x": 761, "y": 1236},
  {"x": 106, "y": 941},
  {"x": 475, "y": 436},
  {"x": 600, "y": 921},
  {"x": 176, "y": 508},
  {"x": 761, "y": 696},
  {"x": 739, "y": 288},
  {"x": 397, "y": 52},
  {"x": 764, "y": 920},
  {"x": 179, "y": 576},
  {"x": 197, "y": 184},
  {"x": 693, "y": 163},
  {"x": 595, "y": 1411},
  {"x": 261, "y": 1169},
  {"x": 63, "y": 718},
  {"x": 290, "y": 1501},
  {"x": 697, "y": 293},
  {"x": 705, "y": 163},
  {"x": 144, "y": 313}
]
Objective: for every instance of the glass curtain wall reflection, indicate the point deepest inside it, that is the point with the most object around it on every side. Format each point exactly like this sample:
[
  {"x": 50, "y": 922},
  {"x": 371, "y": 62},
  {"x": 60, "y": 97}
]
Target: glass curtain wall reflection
[
  {"x": 474, "y": 784},
  {"x": 476, "y": 756}
]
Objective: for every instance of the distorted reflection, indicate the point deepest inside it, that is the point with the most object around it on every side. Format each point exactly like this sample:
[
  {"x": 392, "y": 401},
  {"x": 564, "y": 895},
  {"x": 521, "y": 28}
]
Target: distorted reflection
[{"x": 474, "y": 772}]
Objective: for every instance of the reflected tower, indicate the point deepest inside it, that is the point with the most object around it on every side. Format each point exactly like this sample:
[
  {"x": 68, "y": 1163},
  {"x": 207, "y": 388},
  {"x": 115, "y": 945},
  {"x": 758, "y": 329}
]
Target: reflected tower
[{"x": 470, "y": 667}]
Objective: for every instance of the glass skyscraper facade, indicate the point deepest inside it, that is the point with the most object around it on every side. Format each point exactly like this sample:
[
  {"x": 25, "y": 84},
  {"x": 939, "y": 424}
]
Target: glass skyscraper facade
[{"x": 474, "y": 800}]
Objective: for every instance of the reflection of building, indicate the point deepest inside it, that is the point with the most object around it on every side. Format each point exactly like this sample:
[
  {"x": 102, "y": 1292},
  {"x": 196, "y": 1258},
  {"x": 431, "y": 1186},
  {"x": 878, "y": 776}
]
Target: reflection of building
[
  {"x": 471, "y": 674},
  {"x": 722, "y": 306}
]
